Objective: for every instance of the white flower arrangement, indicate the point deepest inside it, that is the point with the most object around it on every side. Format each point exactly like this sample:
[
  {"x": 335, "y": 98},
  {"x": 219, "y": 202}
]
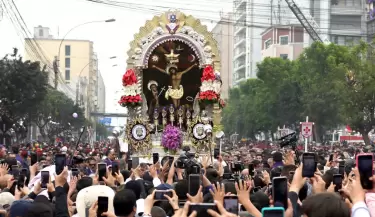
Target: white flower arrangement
[{"x": 131, "y": 90}]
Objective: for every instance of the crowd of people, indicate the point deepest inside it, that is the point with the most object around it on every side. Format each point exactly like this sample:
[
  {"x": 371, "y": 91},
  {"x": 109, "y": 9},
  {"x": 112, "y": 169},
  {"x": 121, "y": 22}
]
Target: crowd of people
[{"x": 241, "y": 181}]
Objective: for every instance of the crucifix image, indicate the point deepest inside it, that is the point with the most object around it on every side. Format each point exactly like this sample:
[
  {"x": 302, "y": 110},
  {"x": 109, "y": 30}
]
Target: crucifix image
[{"x": 175, "y": 90}]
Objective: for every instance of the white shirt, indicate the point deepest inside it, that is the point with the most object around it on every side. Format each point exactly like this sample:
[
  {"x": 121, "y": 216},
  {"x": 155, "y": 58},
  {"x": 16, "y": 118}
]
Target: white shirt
[{"x": 360, "y": 210}]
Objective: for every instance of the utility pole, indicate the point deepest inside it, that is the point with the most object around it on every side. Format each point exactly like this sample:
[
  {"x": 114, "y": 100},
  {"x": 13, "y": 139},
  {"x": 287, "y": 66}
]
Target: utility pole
[
  {"x": 56, "y": 71},
  {"x": 271, "y": 12}
]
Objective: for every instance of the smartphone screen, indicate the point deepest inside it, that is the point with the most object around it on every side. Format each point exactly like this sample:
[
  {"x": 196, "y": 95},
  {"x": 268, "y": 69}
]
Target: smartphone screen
[
  {"x": 273, "y": 212},
  {"x": 115, "y": 168},
  {"x": 231, "y": 204},
  {"x": 216, "y": 153},
  {"x": 135, "y": 162},
  {"x": 337, "y": 179},
  {"x": 44, "y": 176},
  {"x": 342, "y": 170},
  {"x": 102, "y": 205},
  {"x": 280, "y": 192},
  {"x": 33, "y": 158},
  {"x": 159, "y": 195},
  {"x": 102, "y": 171},
  {"x": 309, "y": 165},
  {"x": 194, "y": 184},
  {"x": 15, "y": 172},
  {"x": 75, "y": 172},
  {"x": 251, "y": 169},
  {"x": 60, "y": 163},
  {"x": 365, "y": 168},
  {"x": 130, "y": 165},
  {"x": 21, "y": 181},
  {"x": 155, "y": 158},
  {"x": 201, "y": 209}
]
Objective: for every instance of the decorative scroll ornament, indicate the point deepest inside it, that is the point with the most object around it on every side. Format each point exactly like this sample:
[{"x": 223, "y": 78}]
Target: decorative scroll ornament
[
  {"x": 197, "y": 134},
  {"x": 194, "y": 35},
  {"x": 138, "y": 136}
]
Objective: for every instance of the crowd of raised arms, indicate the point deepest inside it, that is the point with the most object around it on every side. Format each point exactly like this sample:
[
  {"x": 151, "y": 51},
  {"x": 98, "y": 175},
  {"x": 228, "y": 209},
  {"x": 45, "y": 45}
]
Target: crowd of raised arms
[{"x": 244, "y": 180}]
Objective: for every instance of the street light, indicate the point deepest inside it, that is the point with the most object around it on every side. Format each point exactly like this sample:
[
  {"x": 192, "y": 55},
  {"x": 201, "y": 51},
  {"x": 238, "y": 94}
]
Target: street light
[{"x": 57, "y": 58}]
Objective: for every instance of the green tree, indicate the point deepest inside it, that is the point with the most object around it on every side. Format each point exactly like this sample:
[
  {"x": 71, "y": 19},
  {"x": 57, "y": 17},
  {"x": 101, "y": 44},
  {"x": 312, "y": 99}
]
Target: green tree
[
  {"x": 358, "y": 92},
  {"x": 55, "y": 116},
  {"x": 319, "y": 75},
  {"x": 23, "y": 86}
]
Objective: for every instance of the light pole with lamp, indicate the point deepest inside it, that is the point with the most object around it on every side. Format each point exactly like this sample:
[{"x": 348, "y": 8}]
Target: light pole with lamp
[{"x": 56, "y": 61}]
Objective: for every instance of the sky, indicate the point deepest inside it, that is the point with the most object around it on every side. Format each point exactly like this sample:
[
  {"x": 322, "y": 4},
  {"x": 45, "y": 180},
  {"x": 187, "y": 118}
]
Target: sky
[{"x": 110, "y": 39}]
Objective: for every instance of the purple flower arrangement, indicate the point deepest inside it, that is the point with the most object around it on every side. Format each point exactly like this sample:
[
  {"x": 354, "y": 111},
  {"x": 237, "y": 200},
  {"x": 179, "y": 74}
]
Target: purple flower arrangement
[{"x": 171, "y": 138}]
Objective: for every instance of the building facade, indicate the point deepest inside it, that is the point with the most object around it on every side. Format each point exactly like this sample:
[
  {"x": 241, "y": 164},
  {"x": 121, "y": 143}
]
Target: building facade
[
  {"x": 100, "y": 94},
  {"x": 284, "y": 41},
  {"x": 78, "y": 66},
  {"x": 223, "y": 34}
]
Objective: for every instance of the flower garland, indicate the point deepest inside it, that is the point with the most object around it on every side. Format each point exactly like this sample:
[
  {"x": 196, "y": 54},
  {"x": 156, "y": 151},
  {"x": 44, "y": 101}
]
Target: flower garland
[
  {"x": 131, "y": 97},
  {"x": 172, "y": 138}
]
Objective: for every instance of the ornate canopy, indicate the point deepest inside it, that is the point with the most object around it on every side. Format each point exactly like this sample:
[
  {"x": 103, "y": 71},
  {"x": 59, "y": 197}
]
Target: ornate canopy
[{"x": 173, "y": 26}]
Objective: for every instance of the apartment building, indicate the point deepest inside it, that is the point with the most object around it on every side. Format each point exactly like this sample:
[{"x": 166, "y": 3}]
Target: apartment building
[
  {"x": 370, "y": 10},
  {"x": 284, "y": 41},
  {"x": 223, "y": 34},
  {"x": 78, "y": 66}
]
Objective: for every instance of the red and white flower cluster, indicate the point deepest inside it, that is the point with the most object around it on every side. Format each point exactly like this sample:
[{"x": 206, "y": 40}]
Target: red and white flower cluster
[
  {"x": 132, "y": 95},
  {"x": 210, "y": 88}
]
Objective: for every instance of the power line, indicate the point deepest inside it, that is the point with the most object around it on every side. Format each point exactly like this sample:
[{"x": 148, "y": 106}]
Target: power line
[{"x": 235, "y": 22}]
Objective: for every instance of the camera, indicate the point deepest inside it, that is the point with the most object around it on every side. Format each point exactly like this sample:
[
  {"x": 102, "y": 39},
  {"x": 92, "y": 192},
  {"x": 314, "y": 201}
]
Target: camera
[
  {"x": 290, "y": 139},
  {"x": 188, "y": 162}
]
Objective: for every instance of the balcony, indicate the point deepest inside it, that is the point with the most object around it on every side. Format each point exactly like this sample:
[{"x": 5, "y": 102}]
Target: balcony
[
  {"x": 239, "y": 41},
  {"x": 239, "y": 67},
  {"x": 239, "y": 52},
  {"x": 239, "y": 29},
  {"x": 239, "y": 3},
  {"x": 346, "y": 10}
]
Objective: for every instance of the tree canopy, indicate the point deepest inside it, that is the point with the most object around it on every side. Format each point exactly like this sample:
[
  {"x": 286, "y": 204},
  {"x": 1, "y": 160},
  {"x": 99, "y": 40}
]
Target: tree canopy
[{"x": 332, "y": 84}]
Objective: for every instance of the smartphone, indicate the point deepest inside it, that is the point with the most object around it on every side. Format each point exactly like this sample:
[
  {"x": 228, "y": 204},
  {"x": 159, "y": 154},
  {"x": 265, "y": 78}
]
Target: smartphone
[
  {"x": 33, "y": 158},
  {"x": 130, "y": 165},
  {"x": 102, "y": 171},
  {"x": 155, "y": 158},
  {"x": 194, "y": 184},
  {"x": 251, "y": 169},
  {"x": 216, "y": 153},
  {"x": 342, "y": 170},
  {"x": 231, "y": 204},
  {"x": 102, "y": 205},
  {"x": 280, "y": 192},
  {"x": 273, "y": 212},
  {"x": 115, "y": 168},
  {"x": 201, "y": 209},
  {"x": 365, "y": 168},
  {"x": 330, "y": 158},
  {"x": 159, "y": 194},
  {"x": 269, "y": 189},
  {"x": 337, "y": 180},
  {"x": 60, "y": 163},
  {"x": 237, "y": 167},
  {"x": 21, "y": 181},
  {"x": 170, "y": 160},
  {"x": 44, "y": 176},
  {"x": 135, "y": 162},
  {"x": 15, "y": 172},
  {"x": 309, "y": 164},
  {"x": 75, "y": 172}
]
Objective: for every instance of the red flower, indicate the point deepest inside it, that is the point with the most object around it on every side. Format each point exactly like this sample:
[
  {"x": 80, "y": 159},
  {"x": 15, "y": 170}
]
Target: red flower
[
  {"x": 208, "y": 73},
  {"x": 129, "y": 78}
]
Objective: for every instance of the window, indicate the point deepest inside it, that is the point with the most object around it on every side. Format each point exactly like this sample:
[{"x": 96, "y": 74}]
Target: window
[
  {"x": 67, "y": 50},
  {"x": 284, "y": 56},
  {"x": 41, "y": 32},
  {"x": 267, "y": 44},
  {"x": 67, "y": 74},
  {"x": 67, "y": 62},
  {"x": 284, "y": 40}
]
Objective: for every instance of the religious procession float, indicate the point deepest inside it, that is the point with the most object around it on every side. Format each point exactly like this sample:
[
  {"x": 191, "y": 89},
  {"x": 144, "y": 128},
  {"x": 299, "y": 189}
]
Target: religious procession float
[{"x": 171, "y": 87}]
